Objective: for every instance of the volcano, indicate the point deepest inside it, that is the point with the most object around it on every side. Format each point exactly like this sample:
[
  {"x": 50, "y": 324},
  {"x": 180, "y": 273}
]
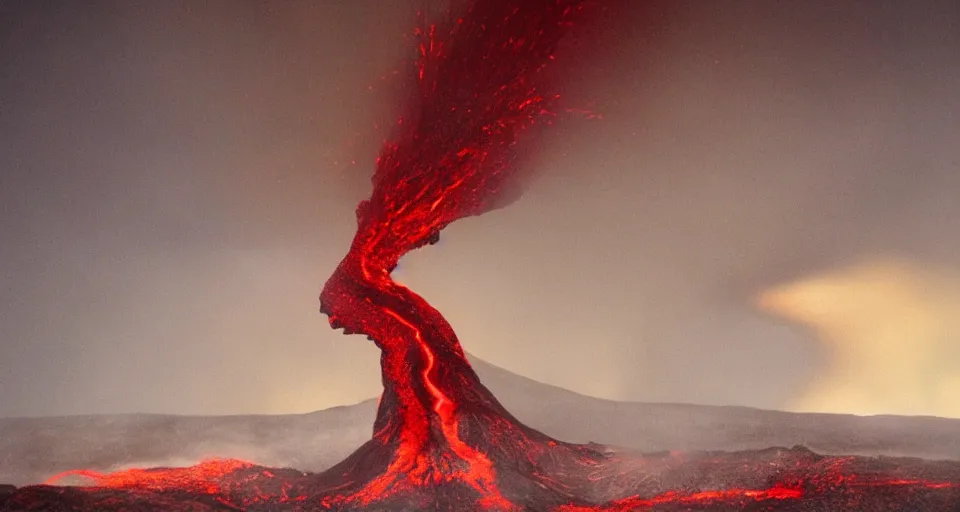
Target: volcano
[{"x": 441, "y": 440}]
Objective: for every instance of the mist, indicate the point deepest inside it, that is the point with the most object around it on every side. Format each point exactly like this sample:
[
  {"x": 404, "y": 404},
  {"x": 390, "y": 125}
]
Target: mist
[
  {"x": 891, "y": 330},
  {"x": 180, "y": 179}
]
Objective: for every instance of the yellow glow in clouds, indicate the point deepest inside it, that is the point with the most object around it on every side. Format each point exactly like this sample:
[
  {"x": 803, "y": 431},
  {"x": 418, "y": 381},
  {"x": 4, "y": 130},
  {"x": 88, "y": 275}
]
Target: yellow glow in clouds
[{"x": 893, "y": 332}]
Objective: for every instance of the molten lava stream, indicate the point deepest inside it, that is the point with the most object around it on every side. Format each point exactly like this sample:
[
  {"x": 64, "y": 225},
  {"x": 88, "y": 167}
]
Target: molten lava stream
[{"x": 480, "y": 86}]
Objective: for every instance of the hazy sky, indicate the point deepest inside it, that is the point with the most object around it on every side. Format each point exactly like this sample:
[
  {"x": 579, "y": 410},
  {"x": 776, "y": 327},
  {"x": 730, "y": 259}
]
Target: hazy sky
[{"x": 179, "y": 179}]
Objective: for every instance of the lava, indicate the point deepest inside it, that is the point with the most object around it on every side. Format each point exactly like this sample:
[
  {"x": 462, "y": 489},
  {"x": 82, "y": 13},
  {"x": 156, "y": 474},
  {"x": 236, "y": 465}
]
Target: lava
[
  {"x": 202, "y": 477},
  {"x": 441, "y": 441}
]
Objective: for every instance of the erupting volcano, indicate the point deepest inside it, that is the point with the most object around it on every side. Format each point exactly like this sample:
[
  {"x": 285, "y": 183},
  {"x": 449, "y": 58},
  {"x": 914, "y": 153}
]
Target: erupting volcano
[{"x": 441, "y": 440}]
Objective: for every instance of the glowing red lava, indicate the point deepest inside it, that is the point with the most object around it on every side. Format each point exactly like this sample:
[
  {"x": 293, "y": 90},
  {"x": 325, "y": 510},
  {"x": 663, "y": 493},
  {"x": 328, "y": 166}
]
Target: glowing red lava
[{"x": 441, "y": 440}]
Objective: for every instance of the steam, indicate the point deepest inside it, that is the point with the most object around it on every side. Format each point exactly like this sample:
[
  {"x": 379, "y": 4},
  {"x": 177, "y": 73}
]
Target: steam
[{"x": 892, "y": 329}]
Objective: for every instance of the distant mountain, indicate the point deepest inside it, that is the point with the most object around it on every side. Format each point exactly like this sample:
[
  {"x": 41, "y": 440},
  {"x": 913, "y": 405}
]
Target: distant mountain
[{"x": 33, "y": 449}]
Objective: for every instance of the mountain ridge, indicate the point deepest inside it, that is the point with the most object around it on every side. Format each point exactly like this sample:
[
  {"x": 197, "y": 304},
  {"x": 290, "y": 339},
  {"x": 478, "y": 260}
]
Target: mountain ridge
[{"x": 33, "y": 449}]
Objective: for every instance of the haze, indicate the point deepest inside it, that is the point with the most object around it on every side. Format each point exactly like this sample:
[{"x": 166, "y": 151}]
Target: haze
[{"x": 179, "y": 179}]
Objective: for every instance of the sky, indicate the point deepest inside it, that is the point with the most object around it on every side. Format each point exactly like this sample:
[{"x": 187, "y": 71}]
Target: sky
[{"x": 765, "y": 215}]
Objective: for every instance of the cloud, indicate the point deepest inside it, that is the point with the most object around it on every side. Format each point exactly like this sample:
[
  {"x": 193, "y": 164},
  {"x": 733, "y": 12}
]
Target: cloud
[{"x": 892, "y": 329}]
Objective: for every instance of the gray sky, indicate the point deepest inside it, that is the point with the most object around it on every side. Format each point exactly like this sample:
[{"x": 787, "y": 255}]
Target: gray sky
[{"x": 179, "y": 179}]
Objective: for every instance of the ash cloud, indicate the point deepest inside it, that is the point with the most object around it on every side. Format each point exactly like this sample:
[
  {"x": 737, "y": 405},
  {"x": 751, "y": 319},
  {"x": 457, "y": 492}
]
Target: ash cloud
[{"x": 178, "y": 183}]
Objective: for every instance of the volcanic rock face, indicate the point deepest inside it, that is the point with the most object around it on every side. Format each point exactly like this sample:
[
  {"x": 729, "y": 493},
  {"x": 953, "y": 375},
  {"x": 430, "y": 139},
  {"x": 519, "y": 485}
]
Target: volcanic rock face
[
  {"x": 480, "y": 87},
  {"x": 441, "y": 440}
]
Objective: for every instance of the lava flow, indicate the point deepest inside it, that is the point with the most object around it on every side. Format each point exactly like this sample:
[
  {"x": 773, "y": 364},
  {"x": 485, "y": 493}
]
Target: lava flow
[{"x": 441, "y": 441}]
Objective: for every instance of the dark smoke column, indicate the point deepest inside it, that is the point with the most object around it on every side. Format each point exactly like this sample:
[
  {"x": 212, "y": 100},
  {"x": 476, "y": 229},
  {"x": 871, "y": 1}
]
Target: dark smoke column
[{"x": 481, "y": 88}]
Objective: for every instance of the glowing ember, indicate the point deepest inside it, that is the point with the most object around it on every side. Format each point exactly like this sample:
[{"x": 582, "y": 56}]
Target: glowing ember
[{"x": 441, "y": 440}]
